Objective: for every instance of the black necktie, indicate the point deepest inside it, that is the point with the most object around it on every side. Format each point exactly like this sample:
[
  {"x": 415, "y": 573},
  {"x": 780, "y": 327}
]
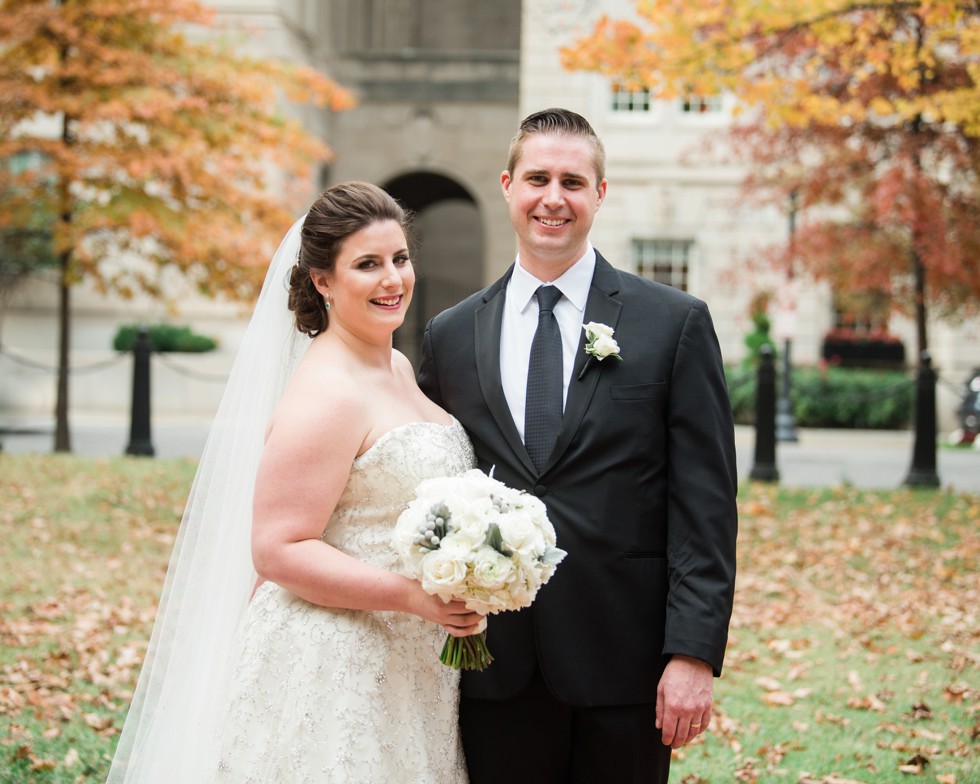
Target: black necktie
[{"x": 543, "y": 404}]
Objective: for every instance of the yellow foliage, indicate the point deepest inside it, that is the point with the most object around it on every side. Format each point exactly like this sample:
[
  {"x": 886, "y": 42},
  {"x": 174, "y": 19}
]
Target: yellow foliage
[
  {"x": 829, "y": 61},
  {"x": 881, "y": 106}
]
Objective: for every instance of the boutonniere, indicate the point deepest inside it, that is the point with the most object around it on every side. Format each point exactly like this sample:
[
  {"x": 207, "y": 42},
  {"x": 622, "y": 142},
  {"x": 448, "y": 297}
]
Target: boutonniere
[{"x": 599, "y": 343}]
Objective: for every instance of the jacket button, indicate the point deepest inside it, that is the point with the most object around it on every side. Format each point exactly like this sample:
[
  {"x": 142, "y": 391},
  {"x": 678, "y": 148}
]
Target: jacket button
[{"x": 540, "y": 491}]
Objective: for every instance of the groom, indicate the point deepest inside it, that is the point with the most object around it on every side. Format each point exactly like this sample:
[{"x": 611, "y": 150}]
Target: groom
[{"x": 612, "y": 666}]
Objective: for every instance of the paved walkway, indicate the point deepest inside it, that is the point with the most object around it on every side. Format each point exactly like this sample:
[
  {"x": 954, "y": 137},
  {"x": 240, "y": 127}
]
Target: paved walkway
[{"x": 870, "y": 459}]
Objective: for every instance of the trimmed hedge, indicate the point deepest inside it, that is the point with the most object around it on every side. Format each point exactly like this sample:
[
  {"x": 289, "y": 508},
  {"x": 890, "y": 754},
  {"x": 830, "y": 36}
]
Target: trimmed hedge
[
  {"x": 164, "y": 337},
  {"x": 834, "y": 397}
]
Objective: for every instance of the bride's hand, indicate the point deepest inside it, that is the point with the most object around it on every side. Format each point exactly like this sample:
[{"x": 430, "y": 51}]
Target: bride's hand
[{"x": 451, "y": 616}]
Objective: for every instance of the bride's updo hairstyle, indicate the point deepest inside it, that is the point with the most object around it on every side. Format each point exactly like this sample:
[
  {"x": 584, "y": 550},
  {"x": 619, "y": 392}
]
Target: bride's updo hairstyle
[{"x": 340, "y": 211}]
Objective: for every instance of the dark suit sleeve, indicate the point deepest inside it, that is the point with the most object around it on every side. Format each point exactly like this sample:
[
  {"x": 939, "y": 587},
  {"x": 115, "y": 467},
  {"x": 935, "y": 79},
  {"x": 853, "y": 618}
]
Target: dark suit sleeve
[
  {"x": 427, "y": 376},
  {"x": 702, "y": 519}
]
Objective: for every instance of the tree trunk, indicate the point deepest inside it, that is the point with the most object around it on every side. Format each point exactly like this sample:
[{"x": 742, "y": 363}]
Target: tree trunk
[
  {"x": 918, "y": 269},
  {"x": 62, "y": 436},
  {"x": 921, "y": 314}
]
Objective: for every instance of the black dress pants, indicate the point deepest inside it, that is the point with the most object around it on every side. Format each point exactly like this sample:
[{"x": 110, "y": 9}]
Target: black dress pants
[{"x": 537, "y": 738}]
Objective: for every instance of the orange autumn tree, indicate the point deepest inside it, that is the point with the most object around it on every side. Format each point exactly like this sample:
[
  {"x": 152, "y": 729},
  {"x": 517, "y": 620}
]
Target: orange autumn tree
[
  {"x": 128, "y": 130},
  {"x": 868, "y": 113}
]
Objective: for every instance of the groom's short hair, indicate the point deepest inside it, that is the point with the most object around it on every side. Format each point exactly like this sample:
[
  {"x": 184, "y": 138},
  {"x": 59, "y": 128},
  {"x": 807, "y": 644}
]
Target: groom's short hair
[{"x": 561, "y": 122}]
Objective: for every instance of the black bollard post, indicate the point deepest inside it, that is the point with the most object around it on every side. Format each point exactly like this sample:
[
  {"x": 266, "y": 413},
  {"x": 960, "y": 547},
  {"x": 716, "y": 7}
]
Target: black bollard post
[
  {"x": 140, "y": 442},
  {"x": 923, "y": 470},
  {"x": 764, "y": 468}
]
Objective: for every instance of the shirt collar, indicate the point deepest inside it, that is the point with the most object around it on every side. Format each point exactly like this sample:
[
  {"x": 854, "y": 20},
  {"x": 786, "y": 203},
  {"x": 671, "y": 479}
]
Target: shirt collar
[{"x": 574, "y": 283}]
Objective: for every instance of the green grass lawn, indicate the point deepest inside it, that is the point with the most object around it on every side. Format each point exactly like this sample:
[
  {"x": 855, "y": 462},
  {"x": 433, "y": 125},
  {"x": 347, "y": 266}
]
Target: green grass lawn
[{"x": 854, "y": 650}]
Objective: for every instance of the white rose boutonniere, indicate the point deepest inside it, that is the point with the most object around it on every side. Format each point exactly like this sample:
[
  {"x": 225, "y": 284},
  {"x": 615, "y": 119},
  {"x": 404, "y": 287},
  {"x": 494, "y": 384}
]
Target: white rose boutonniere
[{"x": 600, "y": 342}]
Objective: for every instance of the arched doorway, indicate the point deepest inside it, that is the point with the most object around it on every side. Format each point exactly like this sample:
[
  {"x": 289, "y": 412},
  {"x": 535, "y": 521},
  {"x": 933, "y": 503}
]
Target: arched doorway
[{"x": 449, "y": 259}]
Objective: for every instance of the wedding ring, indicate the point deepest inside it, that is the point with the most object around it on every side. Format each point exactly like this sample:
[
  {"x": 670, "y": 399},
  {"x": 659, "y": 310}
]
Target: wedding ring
[{"x": 695, "y": 725}]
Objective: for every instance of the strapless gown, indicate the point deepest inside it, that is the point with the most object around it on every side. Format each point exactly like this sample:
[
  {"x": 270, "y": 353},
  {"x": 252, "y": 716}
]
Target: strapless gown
[{"x": 324, "y": 696}]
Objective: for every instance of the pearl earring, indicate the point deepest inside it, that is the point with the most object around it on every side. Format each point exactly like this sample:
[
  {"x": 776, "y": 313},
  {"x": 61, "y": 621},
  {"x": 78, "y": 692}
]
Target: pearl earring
[{"x": 326, "y": 301}]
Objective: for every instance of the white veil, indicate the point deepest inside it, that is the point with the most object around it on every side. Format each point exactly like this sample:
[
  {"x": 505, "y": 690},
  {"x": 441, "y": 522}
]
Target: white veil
[{"x": 210, "y": 579}]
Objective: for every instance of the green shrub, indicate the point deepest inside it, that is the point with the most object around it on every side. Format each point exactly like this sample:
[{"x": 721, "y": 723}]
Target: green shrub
[
  {"x": 164, "y": 337},
  {"x": 834, "y": 397},
  {"x": 758, "y": 338}
]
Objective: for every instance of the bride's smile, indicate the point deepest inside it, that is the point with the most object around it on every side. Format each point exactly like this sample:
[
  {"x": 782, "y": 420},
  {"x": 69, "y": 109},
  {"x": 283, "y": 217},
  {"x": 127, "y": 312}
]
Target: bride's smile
[{"x": 390, "y": 303}]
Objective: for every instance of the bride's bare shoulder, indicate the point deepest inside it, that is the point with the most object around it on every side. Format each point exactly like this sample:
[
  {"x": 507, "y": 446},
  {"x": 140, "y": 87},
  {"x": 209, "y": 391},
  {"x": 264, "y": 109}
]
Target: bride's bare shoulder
[{"x": 322, "y": 398}]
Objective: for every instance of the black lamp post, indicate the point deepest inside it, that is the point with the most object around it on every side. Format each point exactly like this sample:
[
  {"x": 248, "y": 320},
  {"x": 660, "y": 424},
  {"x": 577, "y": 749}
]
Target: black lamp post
[{"x": 923, "y": 470}]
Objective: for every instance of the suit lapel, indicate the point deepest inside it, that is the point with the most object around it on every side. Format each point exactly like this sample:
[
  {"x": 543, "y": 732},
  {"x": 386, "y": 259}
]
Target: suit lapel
[
  {"x": 603, "y": 308},
  {"x": 488, "y": 320}
]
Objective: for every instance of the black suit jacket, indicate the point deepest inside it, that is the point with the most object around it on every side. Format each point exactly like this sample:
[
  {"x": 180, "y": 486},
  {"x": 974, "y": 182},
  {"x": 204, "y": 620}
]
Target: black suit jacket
[{"x": 640, "y": 486}]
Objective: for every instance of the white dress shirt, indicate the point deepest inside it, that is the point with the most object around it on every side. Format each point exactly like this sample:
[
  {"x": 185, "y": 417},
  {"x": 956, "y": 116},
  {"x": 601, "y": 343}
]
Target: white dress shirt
[{"x": 521, "y": 320}]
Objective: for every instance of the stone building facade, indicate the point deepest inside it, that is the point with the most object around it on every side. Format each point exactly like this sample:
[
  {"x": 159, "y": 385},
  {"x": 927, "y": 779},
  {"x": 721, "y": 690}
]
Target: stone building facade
[
  {"x": 438, "y": 98},
  {"x": 441, "y": 86}
]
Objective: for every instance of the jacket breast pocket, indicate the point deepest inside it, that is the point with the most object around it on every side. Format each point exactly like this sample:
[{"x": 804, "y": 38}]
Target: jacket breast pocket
[{"x": 638, "y": 392}]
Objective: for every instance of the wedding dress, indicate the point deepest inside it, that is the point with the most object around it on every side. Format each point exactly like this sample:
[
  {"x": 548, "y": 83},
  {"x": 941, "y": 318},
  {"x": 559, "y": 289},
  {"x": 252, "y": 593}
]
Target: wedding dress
[
  {"x": 268, "y": 688},
  {"x": 324, "y": 696}
]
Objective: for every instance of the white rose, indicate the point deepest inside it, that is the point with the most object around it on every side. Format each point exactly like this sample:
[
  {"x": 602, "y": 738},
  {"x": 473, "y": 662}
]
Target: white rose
[
  {"x": 475, "y": 485},
  {"x": 430, "y": 488},
  {"x": 472, "y": 523},
  {"x": 605, "y": 346},
  {"x": 595, "y": 329},
  {"x": 442, "y": 573},
  {"x": 521, "y": 534},
  {"x": 462, "y": 541}
]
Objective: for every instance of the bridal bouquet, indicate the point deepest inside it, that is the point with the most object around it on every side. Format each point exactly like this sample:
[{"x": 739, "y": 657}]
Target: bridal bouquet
[{"x": 473, "y": 538}]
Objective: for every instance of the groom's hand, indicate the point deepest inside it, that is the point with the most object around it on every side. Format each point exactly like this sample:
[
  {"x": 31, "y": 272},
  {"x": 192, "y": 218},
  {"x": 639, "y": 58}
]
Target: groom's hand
[{"x": 684, "y": 700}]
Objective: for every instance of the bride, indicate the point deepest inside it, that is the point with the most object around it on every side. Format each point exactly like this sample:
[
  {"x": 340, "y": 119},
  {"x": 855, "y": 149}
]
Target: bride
[{"x": 287, "y": 647}]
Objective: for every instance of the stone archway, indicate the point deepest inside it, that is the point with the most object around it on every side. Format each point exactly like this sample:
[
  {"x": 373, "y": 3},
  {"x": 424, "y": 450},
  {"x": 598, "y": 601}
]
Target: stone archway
[{"x": 449, "y": 257}]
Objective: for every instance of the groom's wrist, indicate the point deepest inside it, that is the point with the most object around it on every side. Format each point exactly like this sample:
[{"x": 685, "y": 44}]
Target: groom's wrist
[{"x": 691, "y": 660}]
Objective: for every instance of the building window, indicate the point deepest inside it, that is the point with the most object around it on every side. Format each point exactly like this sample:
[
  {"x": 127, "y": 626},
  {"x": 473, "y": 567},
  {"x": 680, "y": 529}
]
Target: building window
[
  {"x": 665, "y": 261},
  {"x": 863, "y": 314},
  {"x": 624, "y": 100},
  {"x": 710, "y": 104}
]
